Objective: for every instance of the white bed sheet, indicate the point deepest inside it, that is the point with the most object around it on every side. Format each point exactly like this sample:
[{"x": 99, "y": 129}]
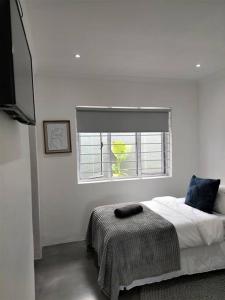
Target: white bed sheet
[{"x": 194, "y": 227}]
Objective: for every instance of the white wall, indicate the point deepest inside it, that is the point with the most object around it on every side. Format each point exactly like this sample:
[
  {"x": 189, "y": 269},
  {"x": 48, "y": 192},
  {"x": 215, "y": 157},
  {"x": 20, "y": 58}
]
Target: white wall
[
  {"x": 212, "y": 126},
  {"x": 16, "y": 239},
  {"x": 64, "y": 205}
]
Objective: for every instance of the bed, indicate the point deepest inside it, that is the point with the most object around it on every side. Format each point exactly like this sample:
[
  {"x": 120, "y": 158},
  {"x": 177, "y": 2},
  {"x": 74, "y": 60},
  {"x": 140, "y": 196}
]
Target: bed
[
  {"x": 200, "y": 236},
  {"x": 196, "y": 254}
]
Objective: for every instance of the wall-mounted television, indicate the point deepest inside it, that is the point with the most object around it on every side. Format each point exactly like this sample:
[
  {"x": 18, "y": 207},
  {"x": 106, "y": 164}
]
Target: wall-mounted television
[{"x": 16, "y": 74}]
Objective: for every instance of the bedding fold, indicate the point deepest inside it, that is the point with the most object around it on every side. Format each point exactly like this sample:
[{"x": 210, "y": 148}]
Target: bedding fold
[{"x": 140, "y": 246}]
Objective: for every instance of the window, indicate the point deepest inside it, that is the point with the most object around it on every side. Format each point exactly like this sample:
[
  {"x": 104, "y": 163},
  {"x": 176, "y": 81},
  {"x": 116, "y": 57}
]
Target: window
[{"x": 117, "y": 155}]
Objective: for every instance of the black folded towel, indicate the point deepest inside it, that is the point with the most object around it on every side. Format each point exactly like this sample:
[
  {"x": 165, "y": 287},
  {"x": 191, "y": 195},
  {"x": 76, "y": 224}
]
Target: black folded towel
[{"x": 128, "y": 210}]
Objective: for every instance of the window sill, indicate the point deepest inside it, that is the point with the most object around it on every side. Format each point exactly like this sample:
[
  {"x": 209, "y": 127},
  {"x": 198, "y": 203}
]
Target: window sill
[{"x": 123, "y": 179}]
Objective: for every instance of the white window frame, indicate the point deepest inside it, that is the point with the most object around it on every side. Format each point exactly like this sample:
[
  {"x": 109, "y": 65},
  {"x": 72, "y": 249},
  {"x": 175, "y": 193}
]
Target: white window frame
[{"x": 166, "y": 161}]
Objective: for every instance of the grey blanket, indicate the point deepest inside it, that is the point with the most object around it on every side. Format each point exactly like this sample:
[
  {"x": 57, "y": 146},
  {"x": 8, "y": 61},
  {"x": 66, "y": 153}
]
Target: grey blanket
[{"x": 137, "y": 247}]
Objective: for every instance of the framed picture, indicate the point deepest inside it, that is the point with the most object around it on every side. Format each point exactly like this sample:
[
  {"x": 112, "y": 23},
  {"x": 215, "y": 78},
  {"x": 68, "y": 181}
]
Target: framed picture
[{"x": 57, "y": 137}]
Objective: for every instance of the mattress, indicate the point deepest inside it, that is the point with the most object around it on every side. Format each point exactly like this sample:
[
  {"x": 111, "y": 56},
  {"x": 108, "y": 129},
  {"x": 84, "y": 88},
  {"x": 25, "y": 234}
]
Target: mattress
[{"x": 201, "y": 237}]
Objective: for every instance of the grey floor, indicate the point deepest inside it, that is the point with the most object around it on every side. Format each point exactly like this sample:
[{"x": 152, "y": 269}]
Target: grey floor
[{"x": 68, "y": 272}]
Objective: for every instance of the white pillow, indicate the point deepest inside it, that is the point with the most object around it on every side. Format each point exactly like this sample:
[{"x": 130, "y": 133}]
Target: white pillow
[{"x": 220, "y": 201}]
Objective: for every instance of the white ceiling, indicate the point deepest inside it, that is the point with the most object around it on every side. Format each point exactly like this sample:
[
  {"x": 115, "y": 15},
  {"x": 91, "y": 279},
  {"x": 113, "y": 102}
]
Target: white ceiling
[{"x": 141, "y": 39}]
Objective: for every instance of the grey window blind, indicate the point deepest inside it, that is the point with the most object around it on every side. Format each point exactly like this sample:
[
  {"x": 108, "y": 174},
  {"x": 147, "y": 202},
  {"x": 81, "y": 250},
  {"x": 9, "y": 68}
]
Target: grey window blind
[{"x": 122, "y": 120}]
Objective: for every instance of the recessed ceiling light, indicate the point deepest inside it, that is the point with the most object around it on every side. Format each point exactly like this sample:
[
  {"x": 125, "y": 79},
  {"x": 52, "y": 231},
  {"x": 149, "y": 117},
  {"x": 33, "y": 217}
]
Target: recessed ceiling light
[
  {"x": 77, "y": 55},
  {"x": 198, "y": 66}
]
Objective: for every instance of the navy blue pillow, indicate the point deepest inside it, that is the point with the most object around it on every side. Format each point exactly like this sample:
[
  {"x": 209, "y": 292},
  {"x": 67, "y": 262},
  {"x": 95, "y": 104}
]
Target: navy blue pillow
[{"x": 202, "y": 193}]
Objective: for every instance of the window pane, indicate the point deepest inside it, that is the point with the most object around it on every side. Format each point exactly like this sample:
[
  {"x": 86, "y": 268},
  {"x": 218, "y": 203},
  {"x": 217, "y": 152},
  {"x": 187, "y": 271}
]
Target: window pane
[
  {"x": 123, "y": 154},
  {"x": 167, "y": 153},
  {"x": 90, "y": 155},
  {"x": 106, "y": 158},
  {"x": 152, "y": 153}
]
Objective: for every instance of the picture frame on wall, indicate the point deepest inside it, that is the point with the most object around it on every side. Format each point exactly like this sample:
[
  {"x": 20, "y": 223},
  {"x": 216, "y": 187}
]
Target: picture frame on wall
[{"x": 57, "y": 136}]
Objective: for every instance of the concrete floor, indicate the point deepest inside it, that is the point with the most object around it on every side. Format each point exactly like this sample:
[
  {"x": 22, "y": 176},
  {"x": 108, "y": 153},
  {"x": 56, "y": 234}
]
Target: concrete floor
[{"x": 68, "y": 272}]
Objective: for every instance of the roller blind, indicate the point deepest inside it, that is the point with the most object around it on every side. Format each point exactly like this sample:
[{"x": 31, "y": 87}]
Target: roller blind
[{"x": 122, "y": 120}]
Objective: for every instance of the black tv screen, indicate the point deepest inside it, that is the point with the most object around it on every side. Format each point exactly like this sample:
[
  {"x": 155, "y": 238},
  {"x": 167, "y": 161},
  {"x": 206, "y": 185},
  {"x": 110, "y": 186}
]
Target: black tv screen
[{"x": 16, "y": 89}]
